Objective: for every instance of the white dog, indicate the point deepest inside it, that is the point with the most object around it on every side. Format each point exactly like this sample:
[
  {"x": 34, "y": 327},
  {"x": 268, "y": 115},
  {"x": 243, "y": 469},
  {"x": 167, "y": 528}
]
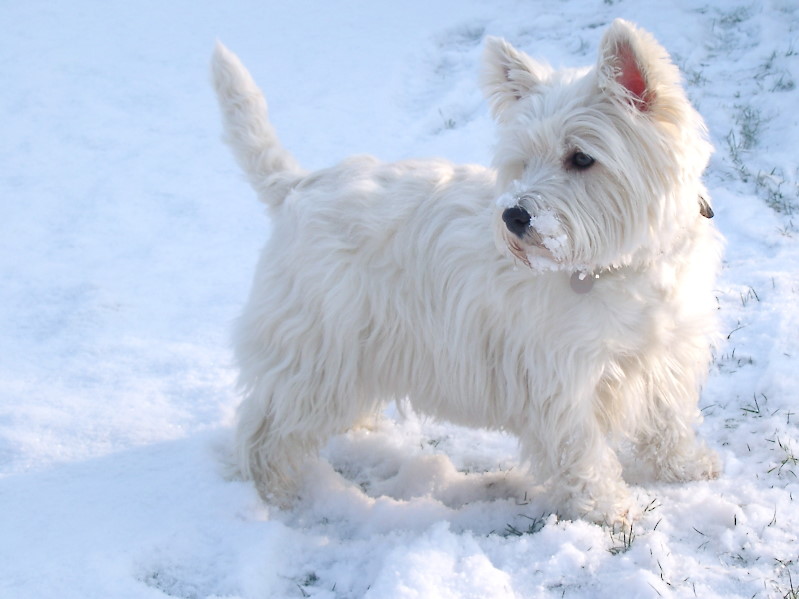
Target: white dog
[{"x": 564, "y": 295}]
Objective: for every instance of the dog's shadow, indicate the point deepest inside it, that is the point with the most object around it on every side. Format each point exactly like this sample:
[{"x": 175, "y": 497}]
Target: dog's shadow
[
  {"x": 407, "y": 473},
  {"x": 407, "y": 458}
]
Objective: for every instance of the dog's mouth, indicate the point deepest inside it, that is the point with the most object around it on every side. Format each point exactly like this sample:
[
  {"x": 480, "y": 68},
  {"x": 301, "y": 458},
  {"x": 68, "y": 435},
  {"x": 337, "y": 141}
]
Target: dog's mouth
[
  {"x": 534, "y": 256},
  {"x": 539, "y": 242},
  {"x": 516, "y": 249}
]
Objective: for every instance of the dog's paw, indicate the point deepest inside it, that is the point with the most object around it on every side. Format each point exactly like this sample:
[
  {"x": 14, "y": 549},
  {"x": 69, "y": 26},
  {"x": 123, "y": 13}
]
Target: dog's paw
[
  {"x": 609, "y": 504},
  {"x": 618, "y": 513},
  {"x": 698, "y": 463},
  {"x": 281, "y": 498}
]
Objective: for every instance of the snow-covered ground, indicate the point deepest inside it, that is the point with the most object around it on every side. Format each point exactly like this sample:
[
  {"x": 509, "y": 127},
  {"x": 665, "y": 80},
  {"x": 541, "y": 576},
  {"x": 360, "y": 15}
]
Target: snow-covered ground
[{"x": 128, "y": 238}]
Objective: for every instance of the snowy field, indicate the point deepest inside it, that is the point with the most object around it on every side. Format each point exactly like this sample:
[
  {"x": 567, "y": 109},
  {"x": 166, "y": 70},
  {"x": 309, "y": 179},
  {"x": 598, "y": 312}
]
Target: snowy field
[{"x": 127, "y": 242}]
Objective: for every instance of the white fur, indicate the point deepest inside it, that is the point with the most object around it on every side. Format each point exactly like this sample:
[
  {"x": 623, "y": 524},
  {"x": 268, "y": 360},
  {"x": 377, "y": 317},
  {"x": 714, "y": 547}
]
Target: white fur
[{"x": 385, "y": 281}]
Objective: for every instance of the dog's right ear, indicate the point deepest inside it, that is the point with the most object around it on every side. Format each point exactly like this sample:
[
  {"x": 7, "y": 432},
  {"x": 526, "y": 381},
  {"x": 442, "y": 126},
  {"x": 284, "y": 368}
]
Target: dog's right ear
[{"x": 508, "y": 75}]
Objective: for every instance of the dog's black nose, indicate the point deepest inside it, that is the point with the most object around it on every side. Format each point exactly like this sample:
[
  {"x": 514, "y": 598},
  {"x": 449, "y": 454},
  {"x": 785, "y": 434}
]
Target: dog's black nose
[{"x": 517, "y": 219}]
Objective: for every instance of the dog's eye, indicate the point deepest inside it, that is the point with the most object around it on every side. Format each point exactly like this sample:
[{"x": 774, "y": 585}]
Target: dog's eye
[{"x": 581, "y": 160}]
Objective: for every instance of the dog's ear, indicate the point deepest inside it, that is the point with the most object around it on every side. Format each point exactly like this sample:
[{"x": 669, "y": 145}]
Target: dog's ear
[
  {"x": 508, "y": 75},
  {"x": 634, "y": 67}
]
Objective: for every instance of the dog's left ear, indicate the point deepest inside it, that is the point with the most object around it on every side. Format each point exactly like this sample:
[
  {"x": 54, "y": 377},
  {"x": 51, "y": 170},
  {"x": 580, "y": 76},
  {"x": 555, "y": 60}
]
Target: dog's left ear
[
  {"x": 509, "y": 76},
  {"x": 634, "y": 68}
]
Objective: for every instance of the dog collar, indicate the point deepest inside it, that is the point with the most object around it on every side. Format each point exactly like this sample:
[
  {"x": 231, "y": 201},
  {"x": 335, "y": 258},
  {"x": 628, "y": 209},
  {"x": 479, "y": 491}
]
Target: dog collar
[{"x": 582, "y": 282}]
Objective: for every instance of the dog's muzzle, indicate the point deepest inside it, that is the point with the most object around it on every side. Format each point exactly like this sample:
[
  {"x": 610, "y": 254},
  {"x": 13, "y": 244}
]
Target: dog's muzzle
[
  {"x": 520, "y": 222},
  {"x": 539, "y": 237},
  {"x": 517, "y": 220}
]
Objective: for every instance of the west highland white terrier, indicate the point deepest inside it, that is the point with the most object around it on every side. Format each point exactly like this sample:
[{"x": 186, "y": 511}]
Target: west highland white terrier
[{"x": 564, "y": 295}]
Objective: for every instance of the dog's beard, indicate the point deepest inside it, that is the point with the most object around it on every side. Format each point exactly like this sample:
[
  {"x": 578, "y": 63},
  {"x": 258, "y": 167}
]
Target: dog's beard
[
  {"x": 544, "y": 245},
  {"x": 536, "y": 256}
]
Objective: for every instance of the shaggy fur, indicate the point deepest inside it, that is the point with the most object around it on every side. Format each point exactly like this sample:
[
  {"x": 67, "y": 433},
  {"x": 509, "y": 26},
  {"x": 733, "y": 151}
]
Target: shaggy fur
[{"x": 563, "y": 295}]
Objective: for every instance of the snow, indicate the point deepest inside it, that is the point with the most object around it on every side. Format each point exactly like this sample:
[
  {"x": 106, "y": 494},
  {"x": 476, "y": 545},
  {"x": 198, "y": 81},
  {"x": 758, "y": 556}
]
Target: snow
[{"x": 127, "y": 242}]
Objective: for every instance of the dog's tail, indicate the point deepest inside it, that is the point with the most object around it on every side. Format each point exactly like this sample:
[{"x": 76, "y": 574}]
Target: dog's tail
[{"x": 272, "y": 171}]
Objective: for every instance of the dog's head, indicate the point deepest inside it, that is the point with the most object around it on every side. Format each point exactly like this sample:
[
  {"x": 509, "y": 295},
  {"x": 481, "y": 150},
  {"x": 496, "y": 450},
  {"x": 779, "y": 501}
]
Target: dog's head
[{"x": 598, "y": 167}]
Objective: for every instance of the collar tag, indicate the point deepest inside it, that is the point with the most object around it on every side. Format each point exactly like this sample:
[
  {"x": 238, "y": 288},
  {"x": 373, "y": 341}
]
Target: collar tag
[{"x": 582, "y": 282}]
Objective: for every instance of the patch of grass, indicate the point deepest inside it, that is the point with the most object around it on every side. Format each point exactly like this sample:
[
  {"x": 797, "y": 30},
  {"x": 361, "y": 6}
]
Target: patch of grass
[
  {"x": 734, "y": 148},
  {"x": 769, "y": 187},
  {"x": 652, "y": 506},
  {"x": 734, "y": 17},
  {"x": 737, "y": 328},
  {"x": 755, "y": 409},
  {"x": 787, "y": 230},
  {"x": 730, "y": 363},
  {"x": 743, "y": 138},
  {"x": 694, "y": 78},
  {"x": 791, "y": 591},
  {"x": 449, "y": 123},
  {"x": 783, "y": 84},
  {"x": 750, "y": 295},
  {"x": 621, "y": 540},
  {"x": 535, "y": 525},
  {"x": 771, "y": 71},
  {"x": 309, "y": 580},
  {"x": 787, "y": 459},
  {"x": 749, "y": 121}
]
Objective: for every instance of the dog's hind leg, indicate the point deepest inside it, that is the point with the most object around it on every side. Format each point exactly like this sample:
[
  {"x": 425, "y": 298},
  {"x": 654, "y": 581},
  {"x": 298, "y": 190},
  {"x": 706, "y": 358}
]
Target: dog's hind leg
[
  {"x": 293, "y": 404},
  {"x": 271, "y": 458},
  {"x": 274, "y": 448}
]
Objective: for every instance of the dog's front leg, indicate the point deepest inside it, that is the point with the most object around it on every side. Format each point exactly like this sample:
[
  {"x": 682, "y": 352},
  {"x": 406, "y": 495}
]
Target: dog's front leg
[{"x": 567, "y": 442}]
